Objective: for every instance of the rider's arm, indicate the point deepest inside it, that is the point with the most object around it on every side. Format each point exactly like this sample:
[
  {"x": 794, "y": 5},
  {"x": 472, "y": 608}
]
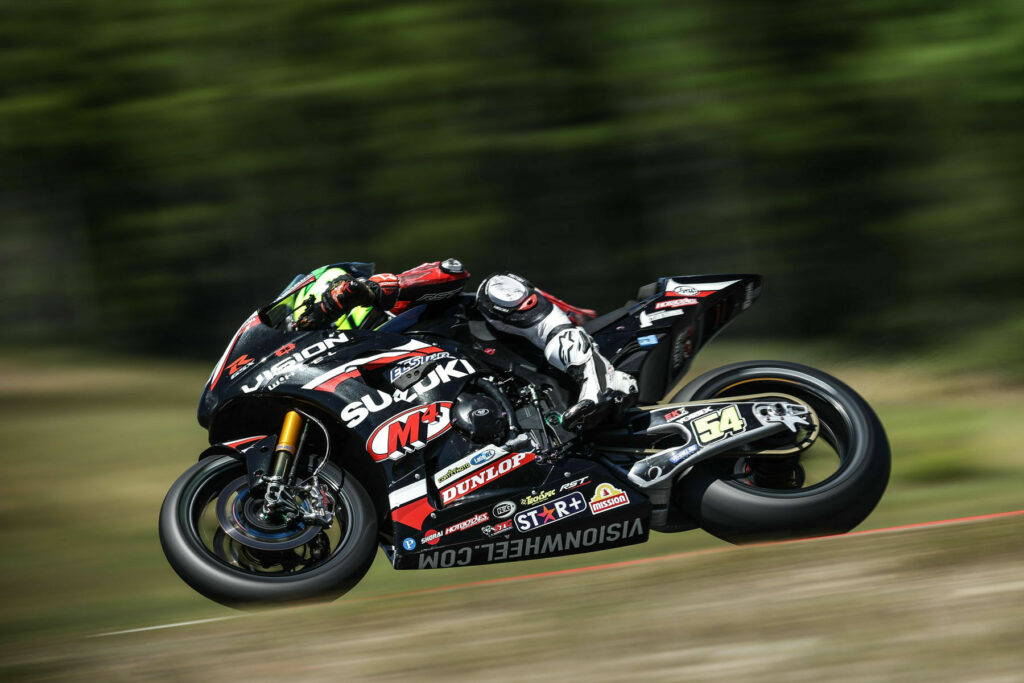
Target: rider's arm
[{"x": 426, "y": 283}]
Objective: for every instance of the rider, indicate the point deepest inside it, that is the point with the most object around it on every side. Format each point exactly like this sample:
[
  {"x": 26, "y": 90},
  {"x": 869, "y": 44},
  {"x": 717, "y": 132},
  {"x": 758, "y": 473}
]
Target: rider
[{"x": 509, "y": 303}]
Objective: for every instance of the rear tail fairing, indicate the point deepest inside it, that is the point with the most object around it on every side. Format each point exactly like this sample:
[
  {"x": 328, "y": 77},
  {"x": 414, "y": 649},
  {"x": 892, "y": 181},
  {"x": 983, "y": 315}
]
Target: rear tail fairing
[{"x": 656, "y": 338}]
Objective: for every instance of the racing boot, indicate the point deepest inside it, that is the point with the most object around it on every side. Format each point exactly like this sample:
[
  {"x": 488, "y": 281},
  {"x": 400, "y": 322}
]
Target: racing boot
[{"x": 601, "y": 385}]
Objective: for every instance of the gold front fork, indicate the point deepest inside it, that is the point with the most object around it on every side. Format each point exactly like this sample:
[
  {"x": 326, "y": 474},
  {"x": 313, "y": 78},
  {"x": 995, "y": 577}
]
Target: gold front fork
[{"x": 284, "y": 454}]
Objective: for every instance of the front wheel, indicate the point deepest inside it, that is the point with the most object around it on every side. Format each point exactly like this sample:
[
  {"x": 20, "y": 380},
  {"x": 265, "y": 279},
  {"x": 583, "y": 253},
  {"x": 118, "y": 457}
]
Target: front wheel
[
  {"x": 828, "y": 489},
  {"x": 218, "y": 546}
]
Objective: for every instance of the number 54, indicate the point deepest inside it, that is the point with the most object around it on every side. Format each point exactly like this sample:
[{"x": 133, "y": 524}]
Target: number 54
[{"x": 719, "y": 424}]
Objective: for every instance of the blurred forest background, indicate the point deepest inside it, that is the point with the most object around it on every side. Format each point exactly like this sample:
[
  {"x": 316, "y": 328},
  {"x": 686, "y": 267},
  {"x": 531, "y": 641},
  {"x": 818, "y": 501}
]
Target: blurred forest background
[{"x": 166, "y": 166}]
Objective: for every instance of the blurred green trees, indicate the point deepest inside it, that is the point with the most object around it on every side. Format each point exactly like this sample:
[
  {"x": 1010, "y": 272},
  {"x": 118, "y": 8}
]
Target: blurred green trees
[{"x": 166, "y": 166}]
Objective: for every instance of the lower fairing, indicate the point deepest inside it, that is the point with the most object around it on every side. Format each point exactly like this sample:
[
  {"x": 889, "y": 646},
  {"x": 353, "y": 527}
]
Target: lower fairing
[{"x": 610, "y": 534}]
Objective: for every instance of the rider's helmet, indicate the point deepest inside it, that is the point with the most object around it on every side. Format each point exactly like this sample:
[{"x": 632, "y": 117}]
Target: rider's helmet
[{"x": 324, "y": 277}]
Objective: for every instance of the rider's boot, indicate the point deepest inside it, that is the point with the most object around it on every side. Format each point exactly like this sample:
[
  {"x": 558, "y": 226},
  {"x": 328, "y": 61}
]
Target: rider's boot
[{"x": 601, "y": 385}]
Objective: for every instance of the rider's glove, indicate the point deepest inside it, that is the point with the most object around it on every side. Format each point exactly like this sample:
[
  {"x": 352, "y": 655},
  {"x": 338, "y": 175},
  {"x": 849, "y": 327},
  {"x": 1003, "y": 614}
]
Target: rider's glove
[
  {"x": 348, "y": 292},
  {"x": 342, "y": 295}
]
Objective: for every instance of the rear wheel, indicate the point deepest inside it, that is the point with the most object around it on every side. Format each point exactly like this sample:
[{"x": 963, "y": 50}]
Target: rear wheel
[
  {"x": 215, "y": 539},
  {"x": 828, "y": 488}
]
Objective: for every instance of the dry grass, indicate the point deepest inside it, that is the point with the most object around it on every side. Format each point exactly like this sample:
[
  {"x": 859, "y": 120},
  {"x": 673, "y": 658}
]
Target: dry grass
[{"x": 931, "y": 604}]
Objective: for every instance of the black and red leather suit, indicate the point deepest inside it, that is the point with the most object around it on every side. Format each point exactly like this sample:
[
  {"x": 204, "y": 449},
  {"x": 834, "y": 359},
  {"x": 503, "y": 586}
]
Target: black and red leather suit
[{"x": 509, "y": 303}]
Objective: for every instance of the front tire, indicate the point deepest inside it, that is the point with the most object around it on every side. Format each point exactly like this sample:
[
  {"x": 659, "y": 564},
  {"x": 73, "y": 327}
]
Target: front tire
[
  {"x": 239, "y": 576},
  {"x": 740, "y": 508}
]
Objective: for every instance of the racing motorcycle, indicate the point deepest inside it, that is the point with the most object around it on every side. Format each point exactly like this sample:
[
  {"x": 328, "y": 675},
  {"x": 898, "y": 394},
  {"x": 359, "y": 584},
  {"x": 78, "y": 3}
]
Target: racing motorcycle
[{"x": 441, "y": 443}]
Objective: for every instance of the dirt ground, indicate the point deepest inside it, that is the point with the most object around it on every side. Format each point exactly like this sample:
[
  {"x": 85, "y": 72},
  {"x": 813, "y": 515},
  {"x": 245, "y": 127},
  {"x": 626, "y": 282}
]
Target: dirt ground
[{"x": 936, "y": 604}]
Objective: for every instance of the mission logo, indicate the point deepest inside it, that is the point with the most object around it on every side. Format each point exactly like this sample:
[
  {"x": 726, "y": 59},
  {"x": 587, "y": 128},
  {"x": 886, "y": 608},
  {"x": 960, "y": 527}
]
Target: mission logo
[{"x": 607, "y": 497}]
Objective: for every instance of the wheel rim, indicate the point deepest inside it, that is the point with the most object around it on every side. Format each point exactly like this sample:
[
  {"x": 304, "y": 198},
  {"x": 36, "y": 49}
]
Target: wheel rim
[
  {"x": 220, "y": 490},
  {"x": 820, "y": 466}
]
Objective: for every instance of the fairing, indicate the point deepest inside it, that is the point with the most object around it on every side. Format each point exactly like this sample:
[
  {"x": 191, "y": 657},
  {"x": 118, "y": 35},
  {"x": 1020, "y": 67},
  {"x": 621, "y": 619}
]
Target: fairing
[{"x": 454, "y": 502}]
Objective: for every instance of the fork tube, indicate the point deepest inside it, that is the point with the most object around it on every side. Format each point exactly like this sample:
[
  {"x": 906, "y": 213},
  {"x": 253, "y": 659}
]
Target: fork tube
[{"x": 284, "y": 452}]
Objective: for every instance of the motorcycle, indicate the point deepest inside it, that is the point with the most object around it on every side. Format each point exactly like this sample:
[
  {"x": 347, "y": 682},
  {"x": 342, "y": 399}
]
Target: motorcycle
[{"x": 440, "y": 442}]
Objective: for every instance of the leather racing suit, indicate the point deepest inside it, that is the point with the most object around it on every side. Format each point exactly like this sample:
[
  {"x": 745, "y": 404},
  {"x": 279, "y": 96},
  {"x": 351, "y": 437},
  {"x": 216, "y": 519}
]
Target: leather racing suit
[{"x": 509, "y": 303}]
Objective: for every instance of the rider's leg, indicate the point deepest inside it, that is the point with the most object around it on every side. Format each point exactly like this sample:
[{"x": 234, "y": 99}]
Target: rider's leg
[{"x": 511, "y": 304}]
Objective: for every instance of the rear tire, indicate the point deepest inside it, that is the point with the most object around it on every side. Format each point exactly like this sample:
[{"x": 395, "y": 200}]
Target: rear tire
[
  {"x": 210, "y": 572},
  {"x": 740, "y": 511}
]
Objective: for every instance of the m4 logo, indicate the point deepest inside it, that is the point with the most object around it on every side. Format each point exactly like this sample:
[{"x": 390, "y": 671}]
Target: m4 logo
[
  {"x": 719, "y": 424},
  {"x": 409, "y": 431}
]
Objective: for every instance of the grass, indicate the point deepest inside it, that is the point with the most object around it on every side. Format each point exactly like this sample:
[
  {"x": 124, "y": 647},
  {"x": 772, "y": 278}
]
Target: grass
[{"x": 91, "y": 446}]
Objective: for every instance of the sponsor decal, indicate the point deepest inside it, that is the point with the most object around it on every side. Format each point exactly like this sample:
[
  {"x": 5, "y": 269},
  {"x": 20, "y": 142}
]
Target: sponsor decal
[
  {"x": 689, "y": 450},
  {"x": 647, "y": 340},
  {"x": 539, "y": 498},
  {"x": 252, "y": 321},
  {"x": 285, "y": 350},
  {"x": 681, "y": 415},
  {"x": 718, "y": 424},
  {"x": 451, "y": 472},
  {"x": 409, "y": 431},
  {"x": 552, "y": 512},
  {"x": 496, "y": 529},
  {"x": 435, "y": 296},
  {"x": 289, "y": 364},
  {"x": 354, "y": 413},
  {"x": 536, "y": 546},
  {"x": 409, "y": 544},
  {"x": 485, "y": 476},
  {"x": 676, "y": 303},
  {"x": 663, "y": 314},
  {"x": 470, "y": 463},
  {"x": 330, "y": 380},
  {"x": 697, "y": 288},
  {"x": 431, "y": 537},
  {"x": 483, "y": 456},
  {"x": 505, "y": 508},
  {"x": 407, "y": 364},
  {"x": 473, "y": 521},
  {"x": 575, "y": 483},
  {"x": 239, "y": 363},
  {"x": 607, "y": 497}
]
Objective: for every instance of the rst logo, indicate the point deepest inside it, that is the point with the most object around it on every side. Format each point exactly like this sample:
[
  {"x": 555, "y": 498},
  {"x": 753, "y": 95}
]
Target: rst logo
[
  {"x": 410, "y": 430},
  {"x": 485, "y": 476},
  {"x": 574, "y": 484},
  {"x": 555, "y": 511}
]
